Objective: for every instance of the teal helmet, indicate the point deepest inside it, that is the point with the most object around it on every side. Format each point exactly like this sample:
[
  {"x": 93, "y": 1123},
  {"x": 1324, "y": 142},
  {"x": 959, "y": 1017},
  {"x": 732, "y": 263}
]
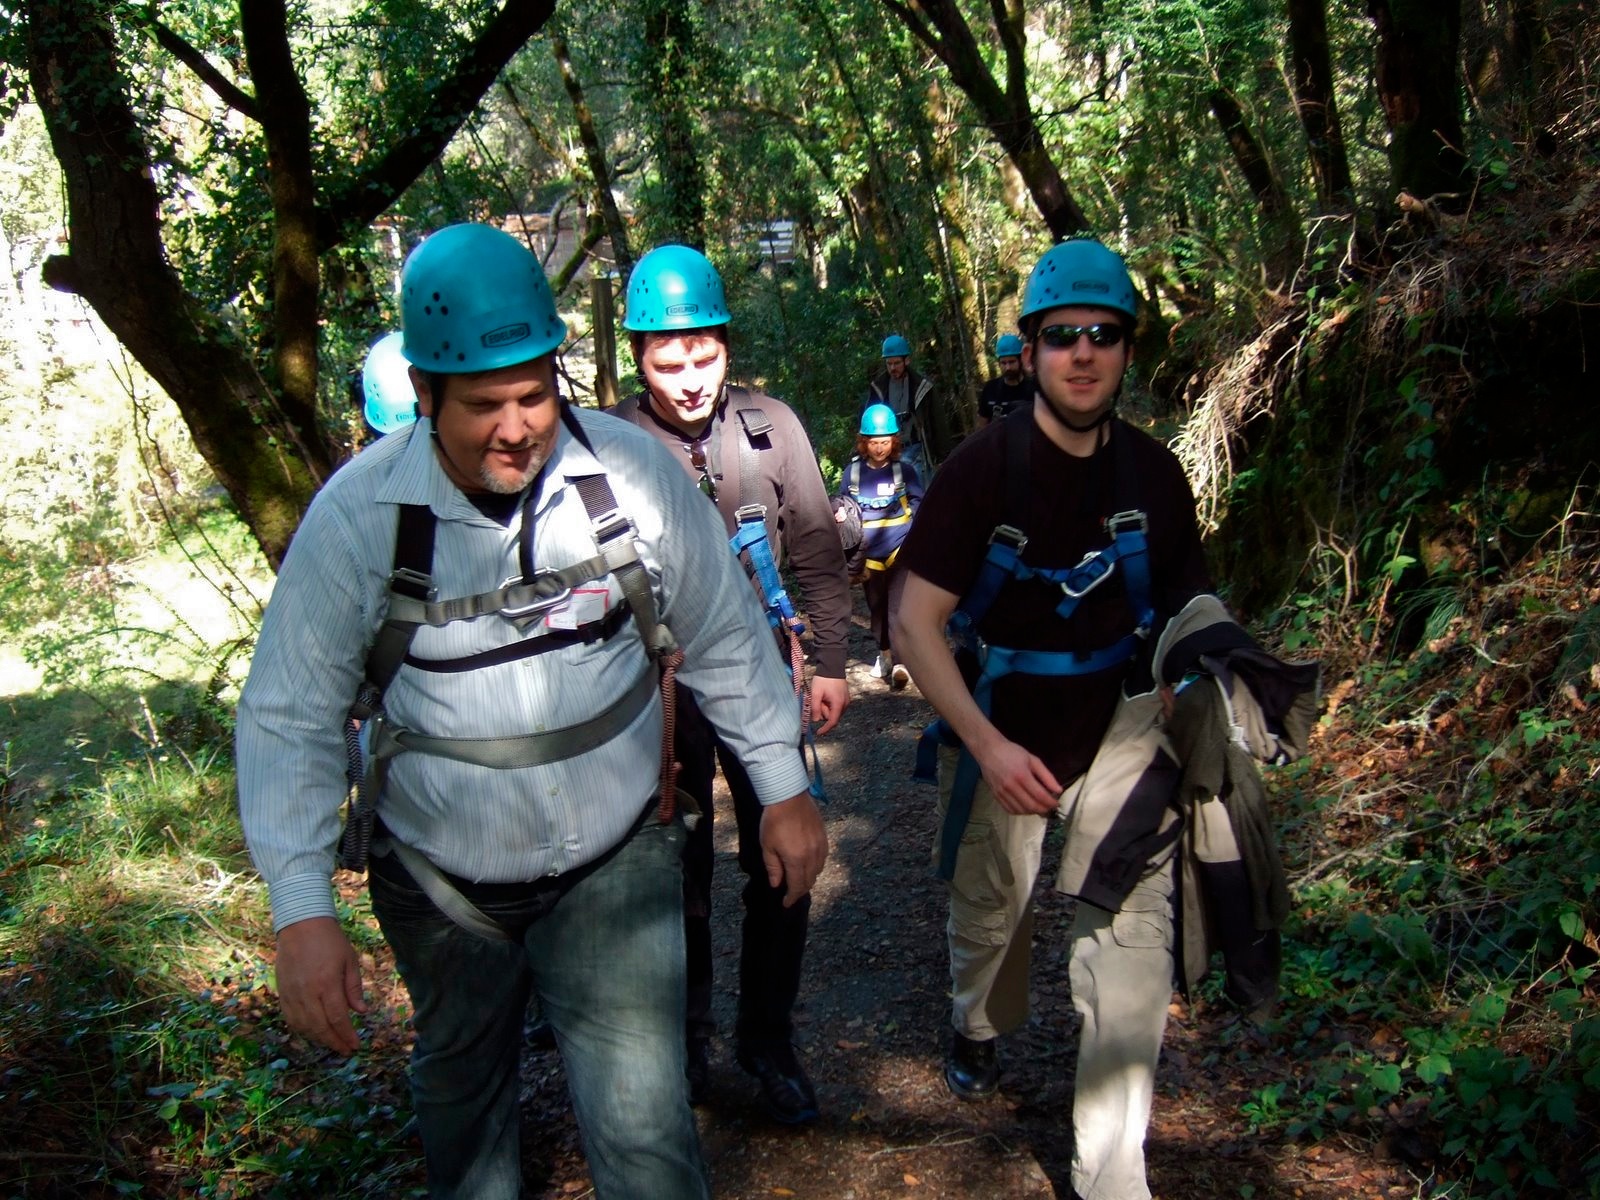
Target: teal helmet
[
  {"x": 1008, "y": 345},
  {"x": 1079, "y": 271},
  {"x": 878, "y": 420},
  {"x": 389, "y": 402},
  {"x": 896, "y": 346},
  {"x": 473, "y": 298},
  {"x": 674, "y": 287}
]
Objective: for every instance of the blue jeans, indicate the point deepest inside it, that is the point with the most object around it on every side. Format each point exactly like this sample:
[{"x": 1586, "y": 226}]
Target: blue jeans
[{"x": 603, "y": 950}]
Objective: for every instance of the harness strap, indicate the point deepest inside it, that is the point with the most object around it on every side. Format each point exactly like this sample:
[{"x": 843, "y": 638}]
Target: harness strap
[
  {"x": 536, "y": 749},
  {"x": 750, "y": 539},
  {"x": 445, "y": 897},
  {"x": 516, "y": 601},
  {"x": 411, "y": 579}
]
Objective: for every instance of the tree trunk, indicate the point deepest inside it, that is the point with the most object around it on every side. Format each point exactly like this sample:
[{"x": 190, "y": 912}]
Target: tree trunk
[
  {"x": 265, "y": 448},
  {"x": 285, "y": 114},
  {"x": 269, "y": 465},
  {"x": 1419, "y": 85},
  {"x": 1280, "y": 224},
  {"x": 1319, "y": 115},
  {"x": 665, "y": 83},
  {"x": 594, "y": 154},
  {"x": 1006, "y": 113}
]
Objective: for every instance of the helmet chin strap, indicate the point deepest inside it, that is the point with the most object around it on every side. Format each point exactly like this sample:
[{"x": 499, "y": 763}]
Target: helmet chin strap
[
  {"x": 1105, "y": 415},
  {"x": 663, "y": 407}
]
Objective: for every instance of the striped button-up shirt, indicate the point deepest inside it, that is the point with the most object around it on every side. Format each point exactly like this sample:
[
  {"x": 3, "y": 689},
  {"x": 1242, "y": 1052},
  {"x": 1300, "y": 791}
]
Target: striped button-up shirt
[{"x": 476, "y": 822}]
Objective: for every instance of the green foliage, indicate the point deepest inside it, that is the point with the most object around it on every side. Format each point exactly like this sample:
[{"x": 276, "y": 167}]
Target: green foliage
[
  {"x": 134, "y": 1009},
  {"x": 1443, "y": 976},
  {"x": 120, "y": 602}
]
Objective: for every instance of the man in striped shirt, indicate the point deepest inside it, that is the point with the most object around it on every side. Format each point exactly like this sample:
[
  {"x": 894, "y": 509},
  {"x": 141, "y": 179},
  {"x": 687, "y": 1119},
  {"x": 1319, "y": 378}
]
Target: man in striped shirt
[{"x": 508, "y": 803}]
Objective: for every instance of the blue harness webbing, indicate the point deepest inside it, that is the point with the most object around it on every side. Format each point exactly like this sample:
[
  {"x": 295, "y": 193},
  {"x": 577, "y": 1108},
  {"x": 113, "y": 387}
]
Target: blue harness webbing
[
  {"x": 1002, "y": 564},
  {"x": 750, "y": 542},
  {"x": 750, "y": 537},
  {"x": 874, "y": 503}
]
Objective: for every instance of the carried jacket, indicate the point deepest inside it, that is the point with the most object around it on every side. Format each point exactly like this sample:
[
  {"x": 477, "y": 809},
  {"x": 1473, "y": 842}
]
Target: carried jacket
[{"x": 1191, "y": 787}]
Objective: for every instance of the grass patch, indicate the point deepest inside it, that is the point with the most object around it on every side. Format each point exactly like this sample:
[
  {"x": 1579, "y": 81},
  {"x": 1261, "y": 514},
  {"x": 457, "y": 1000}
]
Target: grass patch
[{"x": 144, "y": 1054}]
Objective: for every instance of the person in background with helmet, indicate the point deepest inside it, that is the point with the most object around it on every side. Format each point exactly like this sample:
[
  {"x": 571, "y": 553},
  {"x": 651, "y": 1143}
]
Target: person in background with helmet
[
  {"x": 750, "y": 456},
  {"x": 524, "y": 843},
  {"x": 388, "y": 401},
  {"x": 1011, "y": 388},
  {"x": 887, "y": 492},
  {"x": 910, "y": 397},
  {"x": 1054, "y": 544}
]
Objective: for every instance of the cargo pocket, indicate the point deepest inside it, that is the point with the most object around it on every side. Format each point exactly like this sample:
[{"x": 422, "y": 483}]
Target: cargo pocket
[{"x": 1145, "y": 920}]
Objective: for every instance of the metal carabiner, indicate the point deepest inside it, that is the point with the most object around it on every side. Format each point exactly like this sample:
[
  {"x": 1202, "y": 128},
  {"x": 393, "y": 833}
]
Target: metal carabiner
[
  {"x": 1089, "y": 559},
  {"x": 521, "y": 612}
]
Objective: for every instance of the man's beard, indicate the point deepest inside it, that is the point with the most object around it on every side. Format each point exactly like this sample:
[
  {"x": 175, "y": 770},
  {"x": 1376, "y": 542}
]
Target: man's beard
[{"x": 504, "y": 487}]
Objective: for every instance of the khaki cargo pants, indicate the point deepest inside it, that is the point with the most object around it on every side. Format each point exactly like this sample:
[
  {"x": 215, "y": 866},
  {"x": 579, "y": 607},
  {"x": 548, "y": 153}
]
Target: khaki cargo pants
[{"x": 1121, "y": 979}]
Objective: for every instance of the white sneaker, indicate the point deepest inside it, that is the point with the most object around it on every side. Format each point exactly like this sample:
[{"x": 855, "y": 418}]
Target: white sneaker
[
  {"x": 898, "y": 678},
  {"x": 877, "y": 667}
]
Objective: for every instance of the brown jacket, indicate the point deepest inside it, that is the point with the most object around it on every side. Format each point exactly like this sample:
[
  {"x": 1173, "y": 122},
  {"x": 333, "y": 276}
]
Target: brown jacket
[{"x": 788, "y": 483}]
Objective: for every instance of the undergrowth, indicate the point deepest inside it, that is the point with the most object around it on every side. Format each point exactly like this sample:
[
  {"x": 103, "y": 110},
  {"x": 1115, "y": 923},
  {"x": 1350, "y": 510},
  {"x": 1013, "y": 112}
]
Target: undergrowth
[
  {"x": 142, "y": 1053},
  {"x": 1440, "y": 996}
]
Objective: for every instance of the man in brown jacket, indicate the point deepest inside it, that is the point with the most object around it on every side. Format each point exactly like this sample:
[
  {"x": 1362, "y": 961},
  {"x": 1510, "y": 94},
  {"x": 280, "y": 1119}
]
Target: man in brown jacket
[{"x": 751, "y": 457}]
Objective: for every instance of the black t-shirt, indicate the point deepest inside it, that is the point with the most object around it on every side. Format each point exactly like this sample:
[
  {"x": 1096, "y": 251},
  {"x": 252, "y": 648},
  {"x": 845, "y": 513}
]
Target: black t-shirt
[
  {"x": 1061, "y": 719},
  {"x": 999, "y": 397}
]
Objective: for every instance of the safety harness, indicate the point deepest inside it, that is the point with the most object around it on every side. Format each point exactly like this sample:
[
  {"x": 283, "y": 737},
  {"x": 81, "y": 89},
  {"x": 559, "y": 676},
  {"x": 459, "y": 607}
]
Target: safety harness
[
  {"x": 523, "y": 600},
  {"x": 879, "y": 512},
  {"x": 751, "y": 545},
  {"x": 1128, "y": 552}
]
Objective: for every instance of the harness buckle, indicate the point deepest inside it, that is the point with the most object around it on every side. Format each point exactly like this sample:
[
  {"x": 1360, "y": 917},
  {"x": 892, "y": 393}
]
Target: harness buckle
[
  {"x": 608, "y": 525},
  {"x": 417, "y": 585},
  {"x": 750, "y": 512},
  {"x": 519, "y": 612},
  {"x": 1096, "y": 567},
  {"x": 1009, "y": 535},
  {"x": 1127, "y": 521}
]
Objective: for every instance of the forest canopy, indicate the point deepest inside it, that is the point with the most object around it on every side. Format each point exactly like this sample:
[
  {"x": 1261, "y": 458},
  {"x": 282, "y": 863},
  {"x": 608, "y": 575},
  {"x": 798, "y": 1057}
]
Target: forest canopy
[{"x": 240, "y": 183}]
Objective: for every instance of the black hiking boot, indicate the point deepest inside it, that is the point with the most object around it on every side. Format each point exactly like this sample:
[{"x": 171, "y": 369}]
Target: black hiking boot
[
  {"x": 785, "y": 1089},
  {"x": 972, "y": 1069}
]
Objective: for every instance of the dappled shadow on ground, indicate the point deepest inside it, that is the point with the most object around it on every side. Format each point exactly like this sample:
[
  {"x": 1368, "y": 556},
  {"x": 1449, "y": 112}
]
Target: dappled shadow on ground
[{"x": 47, "y": 740}]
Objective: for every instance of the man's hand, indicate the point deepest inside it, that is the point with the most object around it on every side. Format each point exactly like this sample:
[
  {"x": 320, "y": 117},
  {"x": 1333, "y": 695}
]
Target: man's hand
[
  {"x": 794, "y": 845},
  {"x": 319, "y": 982},
  {"x": 1020, "y": 782},
  {"x": 829, "y": 698}
]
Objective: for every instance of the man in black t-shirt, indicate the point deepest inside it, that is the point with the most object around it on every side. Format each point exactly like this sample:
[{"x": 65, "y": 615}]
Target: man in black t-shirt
[
  {"x": 1011, "y": 388},
  {"x": 1071, "y": 480}
]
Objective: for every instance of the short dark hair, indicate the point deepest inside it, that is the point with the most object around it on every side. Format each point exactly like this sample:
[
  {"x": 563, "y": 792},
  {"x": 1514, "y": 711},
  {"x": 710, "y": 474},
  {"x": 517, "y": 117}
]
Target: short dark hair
[
  {"x": 434, "y": 381},
  {"x": 638, "y": 338}
]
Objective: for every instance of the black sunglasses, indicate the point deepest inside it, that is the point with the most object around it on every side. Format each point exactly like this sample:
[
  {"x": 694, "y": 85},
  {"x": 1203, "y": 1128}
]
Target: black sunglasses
[
  {"x": 1064, "y": 337},
  {"x": 697, "y": 460}
]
